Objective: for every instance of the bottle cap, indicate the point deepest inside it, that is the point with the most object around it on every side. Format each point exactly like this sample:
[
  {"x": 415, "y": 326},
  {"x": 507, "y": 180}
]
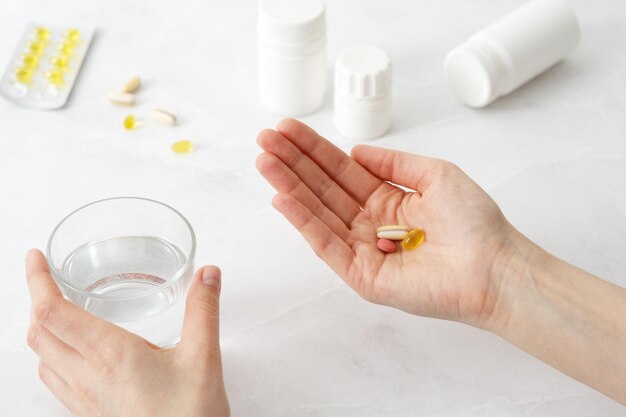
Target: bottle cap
[
  {"x": 292, "y": 20},
  {"x": 363, "y": 92},
  {"x": 472, "y": 75}
]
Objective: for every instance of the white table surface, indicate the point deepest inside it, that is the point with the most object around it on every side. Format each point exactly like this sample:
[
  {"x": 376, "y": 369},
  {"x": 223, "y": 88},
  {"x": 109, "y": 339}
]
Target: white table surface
[{"x": 296, "y": 341}]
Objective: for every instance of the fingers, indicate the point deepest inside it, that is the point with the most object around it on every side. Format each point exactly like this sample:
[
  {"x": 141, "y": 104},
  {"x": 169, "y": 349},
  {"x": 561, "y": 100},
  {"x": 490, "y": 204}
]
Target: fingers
[
  {"x": 326, "y": 244},
  {"x": 350, "y": 176},
  {"x": 312, "y": 175},
  {"x": 285, "y": 181},
  {"x": 51, "y": 350},
  {"x": 200, "y": 340},
  {"x": 59, "y": 387},
  {"x": 401, "y": 168},
  {"x": 68, "y": 322},
  {"x": 40, "y": 283}
]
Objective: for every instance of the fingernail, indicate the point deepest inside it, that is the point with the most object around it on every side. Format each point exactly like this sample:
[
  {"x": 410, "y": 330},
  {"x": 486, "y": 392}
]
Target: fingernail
[{"x": 211, "y": 277}]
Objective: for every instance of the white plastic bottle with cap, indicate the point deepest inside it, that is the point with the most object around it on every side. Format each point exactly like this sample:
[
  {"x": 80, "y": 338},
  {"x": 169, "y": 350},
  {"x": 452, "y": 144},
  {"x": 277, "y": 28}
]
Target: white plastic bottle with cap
[
  {"x": 292, "y": 55},
  {"x": 511, "y": 51},
  {"x": 362, "y": 98}
]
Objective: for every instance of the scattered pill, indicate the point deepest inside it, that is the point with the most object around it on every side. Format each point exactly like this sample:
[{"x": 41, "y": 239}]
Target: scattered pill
[
  {"x": 182, "y": 146},
  {"x": 130, "y": 122},
  {"x": 132, "y": 85},
  {"x": 386, "y": 245},
  {"x": 164, "y": 117},
  {"x": 392, "y": 232},
  {"x": 413, "y": 239},
  {"x": 122, "y": 99}
]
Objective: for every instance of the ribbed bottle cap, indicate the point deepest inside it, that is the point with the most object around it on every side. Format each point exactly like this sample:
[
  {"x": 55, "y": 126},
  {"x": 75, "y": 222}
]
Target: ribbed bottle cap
[
  {"x": 363, "y": 72},
  {"x": 292, "y": 20}
]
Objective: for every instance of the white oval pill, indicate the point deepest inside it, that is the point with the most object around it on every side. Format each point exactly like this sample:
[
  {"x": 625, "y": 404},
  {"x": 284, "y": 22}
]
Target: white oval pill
[
  {"x": 392, "y": 232},
  {"x": 164, "y": 117},
  {"x": 132, "y": 85},
  {"x": 122, "y": 99}
]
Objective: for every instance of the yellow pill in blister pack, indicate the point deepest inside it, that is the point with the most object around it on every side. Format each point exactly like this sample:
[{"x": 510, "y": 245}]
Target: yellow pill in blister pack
[
  {"x": 23, "y": 75},
  {"x": 72, "y": 35},
  {"x": 182, "y": 146},
  {"x": 130, "y": 122},
  {"x": 42, "y": 33},
  {"x": 61, "y": 62},
  {"x": 37, "y": 48},
  {"x": 413, "y": 239},
  {"x": 55, "y": 77},
  {"x": 30, "y": 61},
  {"x": 66, "y": 49}
]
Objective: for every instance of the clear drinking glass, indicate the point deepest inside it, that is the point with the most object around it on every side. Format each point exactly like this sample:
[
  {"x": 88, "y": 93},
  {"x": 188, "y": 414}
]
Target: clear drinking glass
[{"x": 128, "y": 260}]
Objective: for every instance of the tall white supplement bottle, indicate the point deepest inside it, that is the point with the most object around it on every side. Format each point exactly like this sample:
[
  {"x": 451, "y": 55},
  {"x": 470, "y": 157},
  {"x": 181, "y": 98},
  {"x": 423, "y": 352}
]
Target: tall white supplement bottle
[
  {"x": 292, "y": 55},
  {"x": 511, "y": 51}
]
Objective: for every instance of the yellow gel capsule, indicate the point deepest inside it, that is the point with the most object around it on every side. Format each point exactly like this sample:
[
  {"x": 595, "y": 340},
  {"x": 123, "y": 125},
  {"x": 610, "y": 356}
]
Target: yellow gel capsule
[
  {"x": 42, "y": 33},
  {"x": 72, "y": 35},
  {"x": 414, "y": 239},
  {"x": 61, "y": 62},
  {"x": 24, "y": 75},
  {"x": 37, "y": 48},
  {"x": 130, "y": 122},
  {"x": 55, "y": 77},
  {"x": 182, "y": 146},
  {"x": 66, "y": 49},
  {"x": 30, "y": 61}
]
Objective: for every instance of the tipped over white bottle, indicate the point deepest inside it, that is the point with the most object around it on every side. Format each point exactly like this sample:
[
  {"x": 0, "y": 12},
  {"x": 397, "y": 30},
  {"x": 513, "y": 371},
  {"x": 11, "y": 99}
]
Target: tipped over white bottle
[
  {"x": 292, "y": 61},
  {"x": 511, "y": 51}
]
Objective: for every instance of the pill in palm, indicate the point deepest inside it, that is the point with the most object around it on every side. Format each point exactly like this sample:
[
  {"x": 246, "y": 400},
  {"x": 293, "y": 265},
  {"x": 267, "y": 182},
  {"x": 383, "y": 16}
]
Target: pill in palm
[
  {"x": 386, "y": 245},
  {"x": 392, "y": 232},
  {"x": 413, "y": 239}
]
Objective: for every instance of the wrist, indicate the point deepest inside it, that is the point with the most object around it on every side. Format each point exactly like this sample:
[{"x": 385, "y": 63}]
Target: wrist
[{"x": 511, "y": 277}]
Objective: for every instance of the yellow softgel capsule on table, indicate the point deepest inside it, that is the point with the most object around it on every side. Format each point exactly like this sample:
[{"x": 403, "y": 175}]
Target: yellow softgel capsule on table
[
  {"x": 30, "y": 61},
  {"x": 23, "y": 75},
  {"x": 182, "y": 146},
  {"x": 414, "y": 239},
  {"x": 130, "y": 122},
  {"x": 55, "y": 77}
]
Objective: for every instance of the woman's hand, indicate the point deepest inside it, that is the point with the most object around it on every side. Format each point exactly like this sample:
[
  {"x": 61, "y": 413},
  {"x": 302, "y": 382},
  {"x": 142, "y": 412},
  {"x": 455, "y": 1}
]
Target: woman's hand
[
  {"x": 337, "y": 202},
  {"x": 98, "y": 369}
]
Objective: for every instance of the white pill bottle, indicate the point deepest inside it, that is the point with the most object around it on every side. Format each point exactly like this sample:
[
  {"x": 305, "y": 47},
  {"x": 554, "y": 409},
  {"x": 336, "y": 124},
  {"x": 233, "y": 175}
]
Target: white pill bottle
[
  {"x": 292, "y": 61},
  {"x": 511, "y": 51}
]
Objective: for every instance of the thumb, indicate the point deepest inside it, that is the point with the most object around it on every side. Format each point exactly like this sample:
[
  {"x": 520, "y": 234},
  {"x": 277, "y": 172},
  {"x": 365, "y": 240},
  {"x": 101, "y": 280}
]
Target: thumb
[
  {"x": 408, "y": 170},
  {"x": 201, "y": 329}
]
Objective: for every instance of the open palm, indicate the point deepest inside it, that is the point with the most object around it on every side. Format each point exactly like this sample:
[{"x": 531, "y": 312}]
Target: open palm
[{"x": 337, "y": 202}]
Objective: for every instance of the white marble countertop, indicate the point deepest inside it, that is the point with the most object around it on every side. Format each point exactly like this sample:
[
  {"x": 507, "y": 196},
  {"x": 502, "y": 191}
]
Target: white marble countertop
[{"x": 296, "y": 341}]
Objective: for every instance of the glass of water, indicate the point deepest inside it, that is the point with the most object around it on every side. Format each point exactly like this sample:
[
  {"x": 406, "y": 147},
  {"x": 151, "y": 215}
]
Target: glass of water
[{"x": 128, "y": 260}]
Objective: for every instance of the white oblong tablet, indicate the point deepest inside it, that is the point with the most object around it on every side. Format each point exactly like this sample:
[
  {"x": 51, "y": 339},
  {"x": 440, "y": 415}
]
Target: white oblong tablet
[{"x": 392, "y": 232}]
